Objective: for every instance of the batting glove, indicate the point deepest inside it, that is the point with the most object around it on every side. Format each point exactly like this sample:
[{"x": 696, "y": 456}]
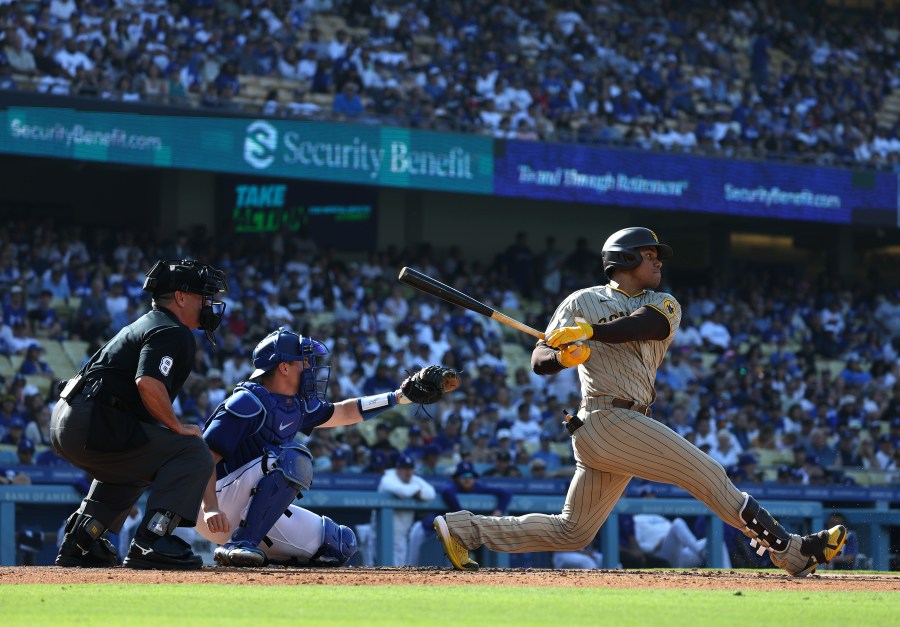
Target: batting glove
[
  {"x": 573, "y": 355},
  {"x": 566, "y": 335}
]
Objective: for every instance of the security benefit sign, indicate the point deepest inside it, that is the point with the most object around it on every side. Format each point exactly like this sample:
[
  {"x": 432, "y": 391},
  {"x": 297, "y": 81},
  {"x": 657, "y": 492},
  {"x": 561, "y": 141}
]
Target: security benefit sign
[
  {"x": 631, "y": 178},
  {"x": 317, "y": 151},
  {"x": 329, "y": 215},
  {"x": 370, "y": 155}
]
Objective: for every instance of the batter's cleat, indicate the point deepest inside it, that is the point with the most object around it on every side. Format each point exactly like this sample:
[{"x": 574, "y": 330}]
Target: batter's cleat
[
  {"x": 824, "y": 545},
  {"x": 85, "y": 545},
  {"x": 456, "y": 553},
  {"x": 240, "y": 554},
  {"x": 166, "y": 552}
]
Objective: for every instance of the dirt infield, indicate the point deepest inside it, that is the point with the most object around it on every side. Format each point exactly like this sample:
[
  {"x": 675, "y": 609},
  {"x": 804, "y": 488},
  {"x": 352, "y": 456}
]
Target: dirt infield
[{"x": 431, "y": 576}]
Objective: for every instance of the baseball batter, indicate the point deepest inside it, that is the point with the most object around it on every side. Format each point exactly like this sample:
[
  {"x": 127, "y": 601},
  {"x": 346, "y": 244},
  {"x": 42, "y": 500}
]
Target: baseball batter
[{"x": 617, "y": 336}]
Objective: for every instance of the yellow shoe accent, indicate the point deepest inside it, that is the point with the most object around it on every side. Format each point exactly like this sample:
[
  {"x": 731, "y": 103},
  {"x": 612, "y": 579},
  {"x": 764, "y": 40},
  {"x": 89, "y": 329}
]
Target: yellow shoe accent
[
  {"x": 456, "y": 553},
  {"x": 821, "y": 547},
  {"x": 836, "y": 537}
]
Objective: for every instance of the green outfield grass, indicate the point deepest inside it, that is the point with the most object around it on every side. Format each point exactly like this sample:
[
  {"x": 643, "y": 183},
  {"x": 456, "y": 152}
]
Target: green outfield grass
[{"x": 190, "y": 604}]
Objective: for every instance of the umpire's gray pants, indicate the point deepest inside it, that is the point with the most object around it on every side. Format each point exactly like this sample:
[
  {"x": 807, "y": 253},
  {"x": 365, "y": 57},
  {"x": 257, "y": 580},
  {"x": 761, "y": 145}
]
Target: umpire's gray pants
[{"x": 177, "y": 466}]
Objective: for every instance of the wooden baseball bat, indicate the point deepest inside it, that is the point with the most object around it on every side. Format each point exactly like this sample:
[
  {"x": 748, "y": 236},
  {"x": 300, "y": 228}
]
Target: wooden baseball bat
[{"x": 432, "y": 286}]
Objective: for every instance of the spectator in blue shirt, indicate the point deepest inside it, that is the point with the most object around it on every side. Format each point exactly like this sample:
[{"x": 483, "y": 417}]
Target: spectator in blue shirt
[
  {"x": 546, "y": 454},
  {"x": 9, "y": 412},
  {"x": 381, "y": 380},
  {"x": 44, "y": 318},
  {"x": 32, "y": 364},
  {"x": 450, "y": 438},
  {"x": 347, "y": 103},
  {"x": 415, "y": 447},
  {"x": 853, "y": 373},
  {"x": 465, "y": 481},
  {"x": 14, "y": 310},
  {"x": 846, "y": 559}
]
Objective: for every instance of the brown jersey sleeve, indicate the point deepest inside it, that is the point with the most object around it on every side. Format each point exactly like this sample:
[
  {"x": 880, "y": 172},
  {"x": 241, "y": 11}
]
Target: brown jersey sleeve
[
  {"x": 646, "y": 323},
  {"x": 544, "y": 359}
]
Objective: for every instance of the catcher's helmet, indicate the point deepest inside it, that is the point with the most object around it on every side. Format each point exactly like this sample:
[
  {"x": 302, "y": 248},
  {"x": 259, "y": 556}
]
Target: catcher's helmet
[
  {"x": 621, "y": 248},
  {"x": 283, "y": 345}
]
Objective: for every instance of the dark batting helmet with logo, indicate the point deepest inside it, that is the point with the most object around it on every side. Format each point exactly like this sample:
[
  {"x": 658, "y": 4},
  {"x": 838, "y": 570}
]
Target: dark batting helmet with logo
[{"x": 621, "y": 248}]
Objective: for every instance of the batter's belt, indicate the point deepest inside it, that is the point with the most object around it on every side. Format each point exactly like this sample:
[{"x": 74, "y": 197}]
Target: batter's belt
[{"x": 591, "y": 403}]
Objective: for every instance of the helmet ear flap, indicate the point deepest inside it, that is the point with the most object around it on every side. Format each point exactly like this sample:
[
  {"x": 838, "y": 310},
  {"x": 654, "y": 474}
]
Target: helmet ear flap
[{"x": 624, "y": 259}]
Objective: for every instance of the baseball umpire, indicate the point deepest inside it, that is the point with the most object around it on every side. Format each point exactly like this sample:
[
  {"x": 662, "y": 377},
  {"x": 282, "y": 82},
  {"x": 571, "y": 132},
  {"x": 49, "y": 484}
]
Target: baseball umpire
[
  {"x": 248, "y": 505},
  {"x": 617, "y": 335},
  {"x": 115, "y": 420}
]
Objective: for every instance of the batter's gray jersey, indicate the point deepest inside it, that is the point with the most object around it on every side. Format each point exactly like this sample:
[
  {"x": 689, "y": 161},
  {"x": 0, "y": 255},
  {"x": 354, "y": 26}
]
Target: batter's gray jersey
[{"x": 626, "y": 370}]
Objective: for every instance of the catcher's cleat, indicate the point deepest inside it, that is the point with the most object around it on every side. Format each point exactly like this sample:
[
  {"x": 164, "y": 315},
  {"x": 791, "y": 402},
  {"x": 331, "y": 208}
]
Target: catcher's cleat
[
  {"x": 456, "y": 553},
  {"x": 163, "y": 553},
  {"x": 240, "y": 554},
  {"x": 824, "y": 545}
]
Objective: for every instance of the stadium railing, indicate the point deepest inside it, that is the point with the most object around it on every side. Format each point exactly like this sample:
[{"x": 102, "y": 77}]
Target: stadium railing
[{"x": 877, "y": 519}]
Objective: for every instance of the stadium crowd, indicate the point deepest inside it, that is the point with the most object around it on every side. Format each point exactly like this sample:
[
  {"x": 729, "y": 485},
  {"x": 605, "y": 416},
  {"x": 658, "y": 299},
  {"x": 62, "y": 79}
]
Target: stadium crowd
[
  {"x": 778, "y": 379},
  {"x": 763, "y": 80}
]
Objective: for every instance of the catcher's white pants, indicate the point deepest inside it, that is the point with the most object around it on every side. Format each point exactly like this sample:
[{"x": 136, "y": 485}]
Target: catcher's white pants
[{"x": 299, "y": 535}]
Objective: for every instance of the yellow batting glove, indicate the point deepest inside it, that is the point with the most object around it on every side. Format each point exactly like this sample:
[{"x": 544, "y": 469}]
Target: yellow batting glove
[
  {"x": 573, "y": 355},
  {"x": 566, "y": 335}
]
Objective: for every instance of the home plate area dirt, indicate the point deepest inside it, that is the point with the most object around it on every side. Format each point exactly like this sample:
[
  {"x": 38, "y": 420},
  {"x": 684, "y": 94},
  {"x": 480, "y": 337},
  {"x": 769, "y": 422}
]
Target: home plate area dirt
[{"x": 433, "y": 576}]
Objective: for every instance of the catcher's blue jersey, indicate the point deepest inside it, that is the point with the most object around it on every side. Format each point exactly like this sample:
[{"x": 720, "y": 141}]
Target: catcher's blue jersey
[{"x": 253, "y": 419}]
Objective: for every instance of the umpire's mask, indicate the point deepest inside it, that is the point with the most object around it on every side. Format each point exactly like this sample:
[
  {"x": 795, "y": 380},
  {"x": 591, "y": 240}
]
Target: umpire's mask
[{"x": 186, "y": 275}]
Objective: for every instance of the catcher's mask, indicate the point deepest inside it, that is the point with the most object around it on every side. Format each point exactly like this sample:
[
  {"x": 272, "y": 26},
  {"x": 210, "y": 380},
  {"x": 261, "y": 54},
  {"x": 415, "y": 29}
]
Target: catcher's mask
[
  {"x": 284, "y": 345},
  {"x": 621, "y": 248},
  {"x": 186, "y": 275}
]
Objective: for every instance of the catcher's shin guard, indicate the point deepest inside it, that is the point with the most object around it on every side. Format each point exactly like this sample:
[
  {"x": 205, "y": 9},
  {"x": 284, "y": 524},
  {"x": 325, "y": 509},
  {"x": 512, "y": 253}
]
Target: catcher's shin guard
[
  {"x": 338, "y": 544},
  {"x": 291, "y": 472}
]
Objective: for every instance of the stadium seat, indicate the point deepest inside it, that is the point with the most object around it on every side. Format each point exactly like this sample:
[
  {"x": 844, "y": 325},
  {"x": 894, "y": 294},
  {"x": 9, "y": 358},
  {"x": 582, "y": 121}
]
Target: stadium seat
[
  {"x": 76, "y": 350},
  {"x": 6, "y": 367},
  {"x": 41, "y": 383},
  {"x": 57, "y": 359}
]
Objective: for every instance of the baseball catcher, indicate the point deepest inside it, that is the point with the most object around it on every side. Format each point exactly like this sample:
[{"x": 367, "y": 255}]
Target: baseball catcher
[{"x": 248, "y": 505}]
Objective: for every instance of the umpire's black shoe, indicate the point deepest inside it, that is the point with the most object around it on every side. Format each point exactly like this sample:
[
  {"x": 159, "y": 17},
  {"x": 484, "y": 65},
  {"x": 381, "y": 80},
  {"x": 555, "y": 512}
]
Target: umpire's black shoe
[
  {"x": 161, "y": 553},
  {"x": 85, "y": 546}
]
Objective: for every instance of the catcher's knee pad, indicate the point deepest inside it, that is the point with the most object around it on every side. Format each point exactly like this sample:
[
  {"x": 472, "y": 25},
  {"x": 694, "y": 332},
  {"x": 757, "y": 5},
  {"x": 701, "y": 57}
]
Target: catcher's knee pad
[
  {"x": 338, "y": 545},
  {"x": 763, "y": 530},
  {"x": 294, "y": 461}
]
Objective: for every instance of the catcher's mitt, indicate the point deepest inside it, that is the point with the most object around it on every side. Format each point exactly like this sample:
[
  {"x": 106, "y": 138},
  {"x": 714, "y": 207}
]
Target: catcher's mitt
[{"x": 429, "y": 384}]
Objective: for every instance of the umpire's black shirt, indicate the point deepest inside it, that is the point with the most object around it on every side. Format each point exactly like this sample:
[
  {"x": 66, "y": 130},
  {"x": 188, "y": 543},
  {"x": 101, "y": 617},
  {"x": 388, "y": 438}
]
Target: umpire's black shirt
[{"x": 155, "y": 345}]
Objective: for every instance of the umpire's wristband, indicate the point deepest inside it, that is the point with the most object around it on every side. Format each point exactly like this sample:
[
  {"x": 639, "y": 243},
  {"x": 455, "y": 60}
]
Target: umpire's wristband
[{"x": 371, "y": 406}]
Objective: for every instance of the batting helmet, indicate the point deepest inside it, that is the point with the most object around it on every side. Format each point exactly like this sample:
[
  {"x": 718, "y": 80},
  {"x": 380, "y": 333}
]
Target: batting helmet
[{"x": 621, "y": 248}]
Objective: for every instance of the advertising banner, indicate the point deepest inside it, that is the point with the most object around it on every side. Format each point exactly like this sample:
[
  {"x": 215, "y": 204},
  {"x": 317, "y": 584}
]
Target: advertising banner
[
  {"x": 632, "y": 178},
  {"x": 370, "y": 155}
]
